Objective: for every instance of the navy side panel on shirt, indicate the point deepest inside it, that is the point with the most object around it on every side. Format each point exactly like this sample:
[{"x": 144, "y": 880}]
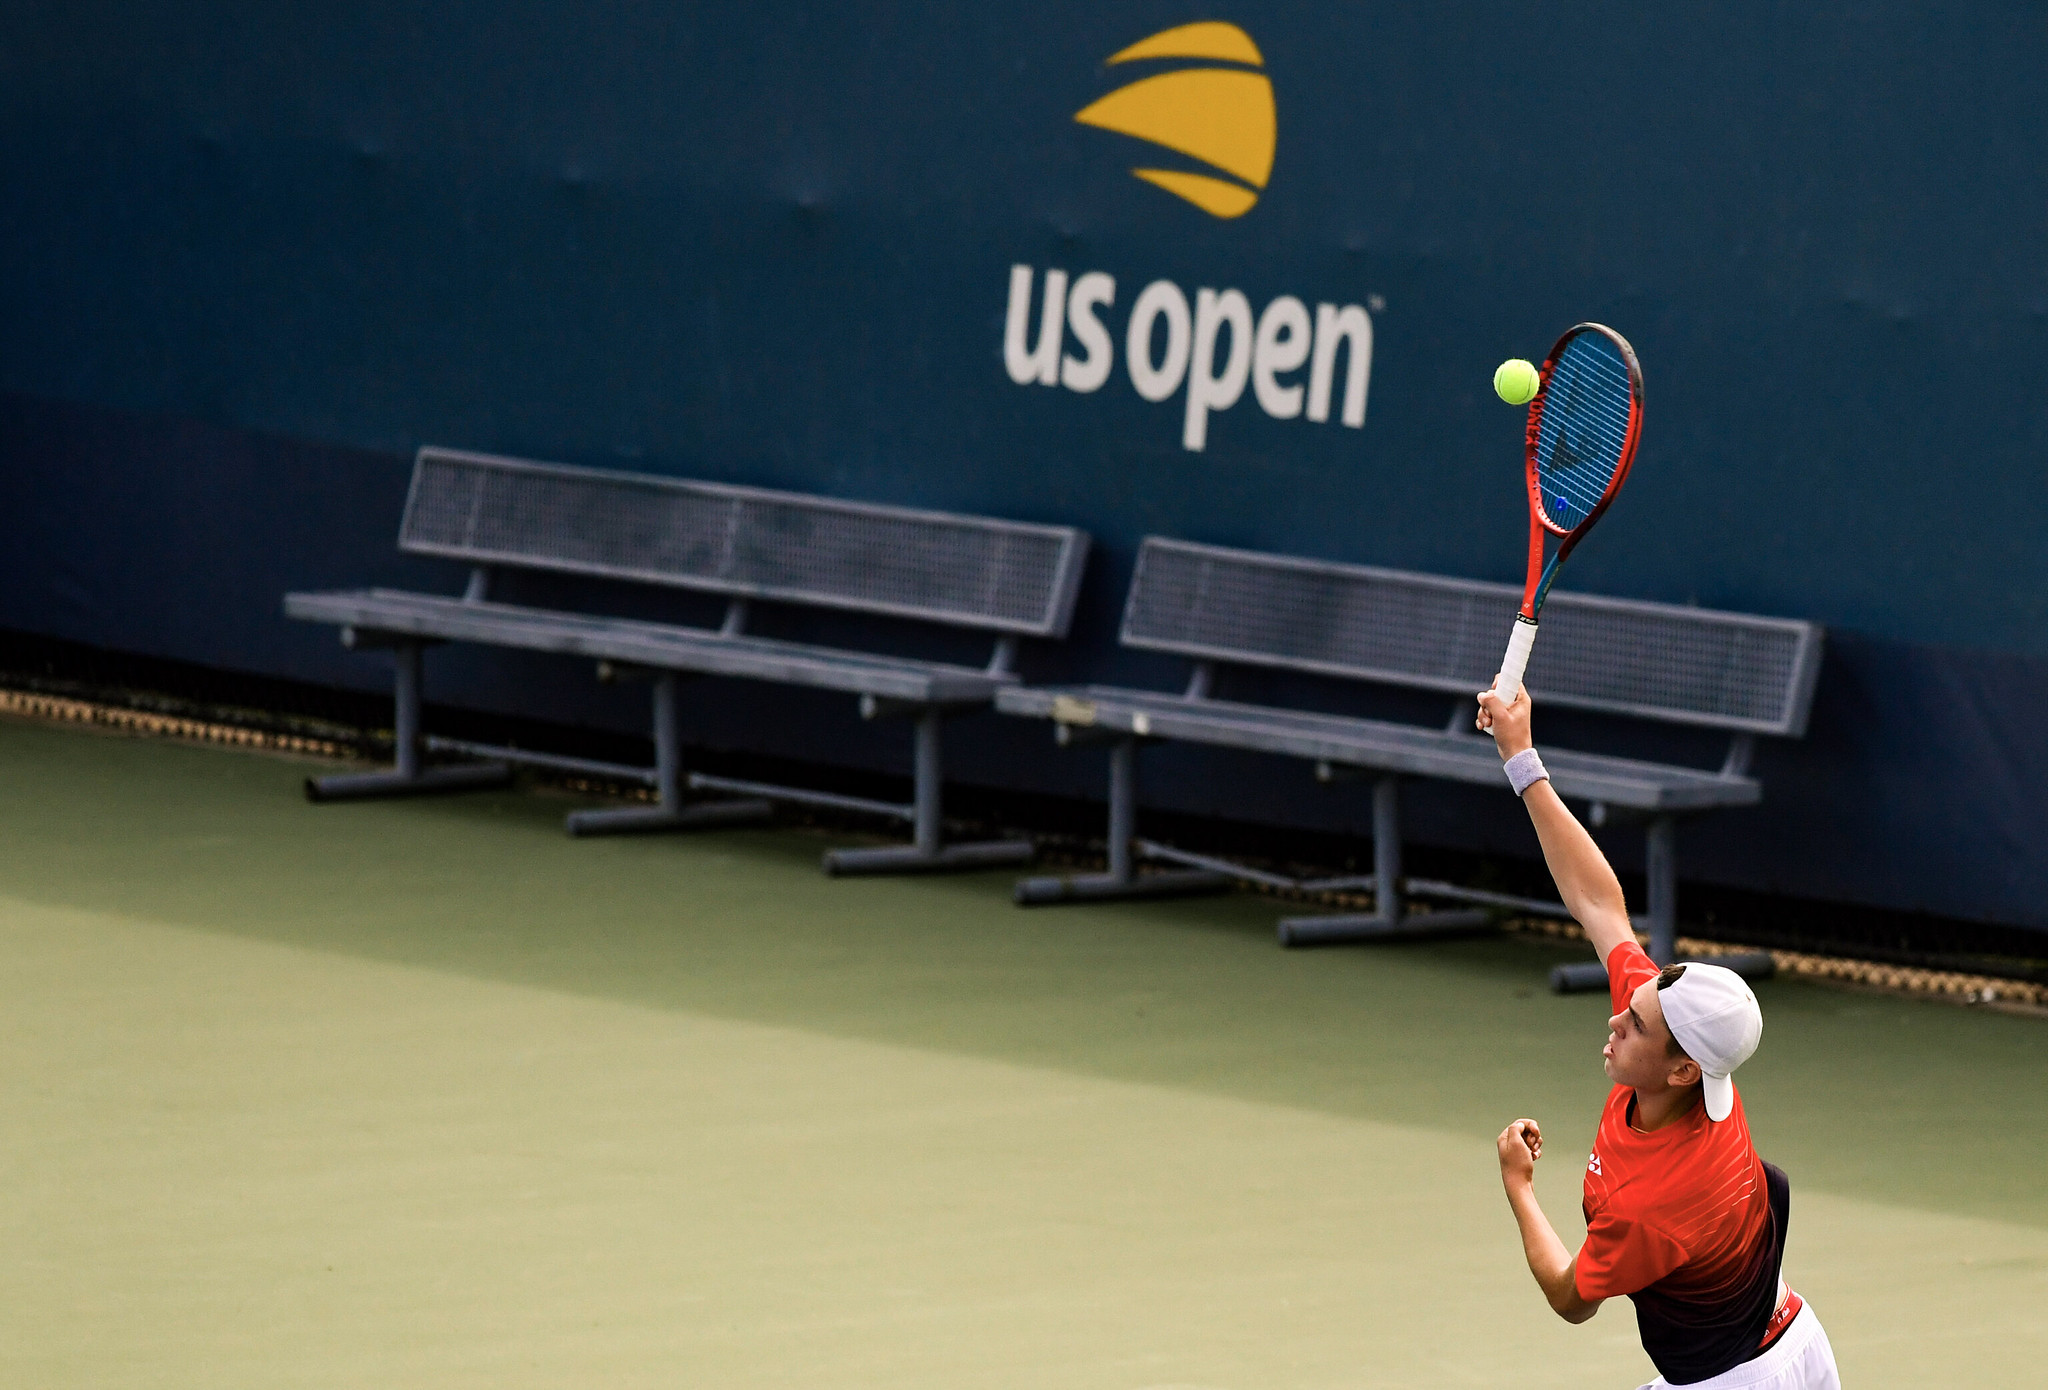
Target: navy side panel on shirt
[{"x": 1689, "y": 1341}]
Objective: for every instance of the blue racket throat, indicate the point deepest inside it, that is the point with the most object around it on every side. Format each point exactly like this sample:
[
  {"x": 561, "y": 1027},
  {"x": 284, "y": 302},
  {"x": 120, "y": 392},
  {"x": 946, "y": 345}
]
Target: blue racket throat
[{"x": 1543, "y": 585}]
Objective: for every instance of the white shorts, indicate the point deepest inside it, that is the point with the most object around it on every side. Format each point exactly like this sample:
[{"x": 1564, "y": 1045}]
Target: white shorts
[{"x": 1801, "y": 1359}]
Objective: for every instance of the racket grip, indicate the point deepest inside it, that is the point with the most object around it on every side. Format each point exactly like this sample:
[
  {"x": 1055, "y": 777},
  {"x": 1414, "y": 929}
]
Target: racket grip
[{"x": 1508, "y": 684}]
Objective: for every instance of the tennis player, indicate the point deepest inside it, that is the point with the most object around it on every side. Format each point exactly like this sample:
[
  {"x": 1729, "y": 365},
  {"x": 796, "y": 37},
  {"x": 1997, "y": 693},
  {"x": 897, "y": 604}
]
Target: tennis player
[{"x": 1681, "y": 1214}]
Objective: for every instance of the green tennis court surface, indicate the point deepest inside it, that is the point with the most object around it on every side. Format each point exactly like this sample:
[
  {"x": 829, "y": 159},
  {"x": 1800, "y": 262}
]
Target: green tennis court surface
[{"x": 427, "y": 1094}]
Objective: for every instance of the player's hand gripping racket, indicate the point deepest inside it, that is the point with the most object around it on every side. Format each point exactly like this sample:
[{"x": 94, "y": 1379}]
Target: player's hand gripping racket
[{"x": 1581, "y": 440}]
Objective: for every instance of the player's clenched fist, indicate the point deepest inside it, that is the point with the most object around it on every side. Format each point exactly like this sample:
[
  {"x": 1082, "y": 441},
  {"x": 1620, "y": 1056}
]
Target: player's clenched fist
[
  {"x": 1520, "y": 1145},
  {"x": 1509, "y": 724}
]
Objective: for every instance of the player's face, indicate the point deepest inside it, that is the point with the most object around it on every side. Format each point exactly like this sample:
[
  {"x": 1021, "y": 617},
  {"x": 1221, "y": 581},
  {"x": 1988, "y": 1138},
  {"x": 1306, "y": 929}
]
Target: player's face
[{"x": 1637, "y": 1041}]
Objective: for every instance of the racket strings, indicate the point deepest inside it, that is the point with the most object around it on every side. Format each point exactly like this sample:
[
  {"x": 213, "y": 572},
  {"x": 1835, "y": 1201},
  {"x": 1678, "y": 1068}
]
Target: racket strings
[{"x": 1583, "y": 434}]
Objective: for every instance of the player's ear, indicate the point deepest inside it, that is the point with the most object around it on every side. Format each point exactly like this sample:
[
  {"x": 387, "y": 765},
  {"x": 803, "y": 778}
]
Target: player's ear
[{"x": 1684, "y": 1072}]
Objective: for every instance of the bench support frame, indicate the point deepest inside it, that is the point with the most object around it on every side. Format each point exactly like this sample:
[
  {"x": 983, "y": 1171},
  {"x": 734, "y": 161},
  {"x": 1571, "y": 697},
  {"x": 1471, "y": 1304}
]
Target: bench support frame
[
  {"x": 927, "y": 851},
  {"x": 408, "y": 776},
  {"x": 411, "y": 776},
  {"x": 1123, "y": 879},
  {"x": 1389, "y": 920},
  {"x": 1200, "y": 873},
  {"x": 670, "y": 811},
  {"x": 751, "y": 801}
]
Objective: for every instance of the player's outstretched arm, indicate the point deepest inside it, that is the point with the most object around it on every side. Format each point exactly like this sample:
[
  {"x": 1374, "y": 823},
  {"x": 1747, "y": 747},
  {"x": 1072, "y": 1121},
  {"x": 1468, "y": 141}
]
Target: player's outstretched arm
[{"x": 1585, "y": 880}]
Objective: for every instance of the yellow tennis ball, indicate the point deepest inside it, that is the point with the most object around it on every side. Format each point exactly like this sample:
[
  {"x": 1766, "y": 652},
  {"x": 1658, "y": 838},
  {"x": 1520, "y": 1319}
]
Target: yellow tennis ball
[{"x": 1515, "y": 381}]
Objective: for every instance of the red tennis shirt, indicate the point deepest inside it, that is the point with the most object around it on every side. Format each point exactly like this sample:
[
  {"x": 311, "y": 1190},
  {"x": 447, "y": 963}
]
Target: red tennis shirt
[{"x": 1687, "y": 1221}]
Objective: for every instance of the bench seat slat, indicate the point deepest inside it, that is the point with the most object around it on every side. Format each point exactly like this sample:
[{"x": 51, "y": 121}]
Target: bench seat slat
[
  {"x": 1373, "y": 743},
  {"x": 660, "y": 645}
]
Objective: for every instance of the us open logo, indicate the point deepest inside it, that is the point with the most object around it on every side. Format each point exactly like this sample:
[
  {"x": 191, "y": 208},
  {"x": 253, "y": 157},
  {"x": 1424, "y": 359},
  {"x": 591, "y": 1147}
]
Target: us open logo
[
  {"x": 1210, "y": 348},
  {"x": 1220, "y": 116}
]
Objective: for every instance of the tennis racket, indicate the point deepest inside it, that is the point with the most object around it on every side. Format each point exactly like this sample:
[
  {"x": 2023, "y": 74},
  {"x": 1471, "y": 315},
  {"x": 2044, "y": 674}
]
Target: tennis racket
[{"x": 1581, "y": 440}]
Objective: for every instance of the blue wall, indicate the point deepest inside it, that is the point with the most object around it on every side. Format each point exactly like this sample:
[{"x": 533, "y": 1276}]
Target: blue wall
[{"x": 250, "y": 256}]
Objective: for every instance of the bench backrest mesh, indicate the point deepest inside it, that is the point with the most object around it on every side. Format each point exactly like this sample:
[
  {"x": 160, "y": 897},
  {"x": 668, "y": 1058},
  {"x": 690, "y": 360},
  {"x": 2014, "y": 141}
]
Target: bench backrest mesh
[
  {"x": 967, "y": 571},
  {"x": 1653, "y": 660}
]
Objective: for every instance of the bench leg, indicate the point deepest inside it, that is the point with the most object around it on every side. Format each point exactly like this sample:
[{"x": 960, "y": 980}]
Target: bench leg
[
  {"x": 408, "y": 776},
  {"x": 1123, "y": 879},
  {"x": 1661, "y": 870},
  {"x": 1388, "y": 920},
  {"x": 1661, "y": 874},
  {"x": 927, "y": 851},
  {"x": 669, "y": 812},
  {"x": 926, "y": 773}
]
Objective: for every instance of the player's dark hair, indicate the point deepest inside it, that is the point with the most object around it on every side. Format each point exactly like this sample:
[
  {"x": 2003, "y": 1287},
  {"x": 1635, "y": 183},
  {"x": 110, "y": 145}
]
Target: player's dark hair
[{"x": 1666, "y": 978}]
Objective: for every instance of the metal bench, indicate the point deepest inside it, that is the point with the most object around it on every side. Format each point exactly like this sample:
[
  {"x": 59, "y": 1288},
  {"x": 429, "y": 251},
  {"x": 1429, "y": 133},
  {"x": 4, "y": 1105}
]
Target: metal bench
[
  {"x": 1224, "y": 608},
  {"x": 749, "y": 545}
]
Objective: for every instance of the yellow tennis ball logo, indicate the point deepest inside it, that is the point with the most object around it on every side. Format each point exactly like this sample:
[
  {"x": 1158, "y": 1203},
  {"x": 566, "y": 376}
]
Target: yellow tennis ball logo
[{"x": 1222, "y": 116}]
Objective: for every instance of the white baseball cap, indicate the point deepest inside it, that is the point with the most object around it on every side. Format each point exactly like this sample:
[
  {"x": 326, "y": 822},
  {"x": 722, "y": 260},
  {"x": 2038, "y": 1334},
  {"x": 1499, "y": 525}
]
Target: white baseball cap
[{"x": 1715, "y": 1018}]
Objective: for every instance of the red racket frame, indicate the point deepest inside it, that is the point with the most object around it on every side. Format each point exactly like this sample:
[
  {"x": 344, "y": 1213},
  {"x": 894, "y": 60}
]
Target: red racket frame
[{"x": 1540, "y": 524}]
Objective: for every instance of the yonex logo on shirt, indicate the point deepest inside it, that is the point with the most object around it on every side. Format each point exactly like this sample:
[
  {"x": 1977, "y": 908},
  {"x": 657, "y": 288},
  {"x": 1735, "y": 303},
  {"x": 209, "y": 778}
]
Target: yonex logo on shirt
[{"x": 1593, "y": 1163}]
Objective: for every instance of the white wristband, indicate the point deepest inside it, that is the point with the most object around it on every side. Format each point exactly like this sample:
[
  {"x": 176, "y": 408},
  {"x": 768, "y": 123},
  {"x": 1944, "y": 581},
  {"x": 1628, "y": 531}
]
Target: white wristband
[{"x": 1524, "y": 770}]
